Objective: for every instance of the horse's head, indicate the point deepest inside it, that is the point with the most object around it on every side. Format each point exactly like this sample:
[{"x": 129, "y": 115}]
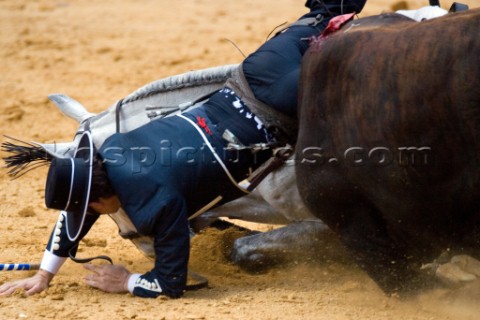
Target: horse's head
[
  {"x": 74, "y": 110},
  {"x": 28, "y": 155},
  {"x": 160, "y": 98}
]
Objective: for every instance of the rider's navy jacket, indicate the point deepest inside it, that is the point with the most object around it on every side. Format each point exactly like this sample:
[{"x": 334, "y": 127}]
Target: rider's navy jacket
[
  {"x": 273, "y": 70},
  {"x": 168, "y": 169}
]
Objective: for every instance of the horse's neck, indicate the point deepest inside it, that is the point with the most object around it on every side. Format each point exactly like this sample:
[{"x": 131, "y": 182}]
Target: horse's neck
[{"x": 159, "y": 95}]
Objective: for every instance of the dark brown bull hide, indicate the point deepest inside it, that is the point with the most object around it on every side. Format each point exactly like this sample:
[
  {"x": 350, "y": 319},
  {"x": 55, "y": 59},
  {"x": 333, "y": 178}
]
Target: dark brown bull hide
[{"x": 389, "y": 147}]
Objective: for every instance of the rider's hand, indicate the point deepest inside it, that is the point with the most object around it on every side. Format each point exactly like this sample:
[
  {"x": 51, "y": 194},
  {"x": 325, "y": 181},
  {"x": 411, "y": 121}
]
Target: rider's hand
[
  {"x": 108, "y": 277},
  {"x": 32, "y": 285}
]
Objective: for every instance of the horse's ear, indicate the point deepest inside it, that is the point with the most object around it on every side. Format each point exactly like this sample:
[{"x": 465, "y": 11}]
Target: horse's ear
[{"x": 70, "y": 107}]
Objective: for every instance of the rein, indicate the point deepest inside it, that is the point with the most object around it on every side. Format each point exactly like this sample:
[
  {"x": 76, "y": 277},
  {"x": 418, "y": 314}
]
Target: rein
[
  {"x": 118, "y": 108},
  {"x": 196, "y": 280},
  {"x": 87, "y": 260}
]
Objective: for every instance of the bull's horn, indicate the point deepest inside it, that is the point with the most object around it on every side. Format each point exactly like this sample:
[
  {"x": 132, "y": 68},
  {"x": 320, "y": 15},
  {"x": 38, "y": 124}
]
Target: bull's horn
[{"x": 70, "y": 107}]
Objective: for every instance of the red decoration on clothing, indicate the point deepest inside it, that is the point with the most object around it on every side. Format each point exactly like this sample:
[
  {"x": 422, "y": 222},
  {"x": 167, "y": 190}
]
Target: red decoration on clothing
[
  {"x": 203, "y": 124},
  {"x": 333, "y": 26}
]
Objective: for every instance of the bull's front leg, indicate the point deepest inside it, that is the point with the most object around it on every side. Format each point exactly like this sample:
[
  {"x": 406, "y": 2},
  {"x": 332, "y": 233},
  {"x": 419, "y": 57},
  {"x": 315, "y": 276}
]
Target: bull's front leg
[
  {"x": 389, "y": 262},
  {"x": 298, "y": 241}
]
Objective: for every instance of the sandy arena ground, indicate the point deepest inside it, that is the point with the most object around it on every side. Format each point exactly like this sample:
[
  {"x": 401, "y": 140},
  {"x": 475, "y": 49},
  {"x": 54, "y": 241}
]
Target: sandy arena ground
[{"x": 98, "y": 52}]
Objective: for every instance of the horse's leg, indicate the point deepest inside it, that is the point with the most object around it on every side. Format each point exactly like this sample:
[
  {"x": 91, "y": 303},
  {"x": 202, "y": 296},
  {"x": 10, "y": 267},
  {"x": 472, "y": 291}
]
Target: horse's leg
[
  {"x": 250, "y": 208},
  {"x": 280, "y": 191},
  {"x": 276, "y": 200},
  {"x": 298, "y": 241}
]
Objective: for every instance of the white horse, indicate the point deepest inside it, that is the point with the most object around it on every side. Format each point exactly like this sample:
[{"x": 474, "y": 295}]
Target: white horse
[{"x": 274, "y": 201}]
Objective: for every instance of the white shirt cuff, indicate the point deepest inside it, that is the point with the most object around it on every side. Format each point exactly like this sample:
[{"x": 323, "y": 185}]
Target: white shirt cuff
[
  {"x": 131, "y": 281},
  {"x": 51, "y": 262}
]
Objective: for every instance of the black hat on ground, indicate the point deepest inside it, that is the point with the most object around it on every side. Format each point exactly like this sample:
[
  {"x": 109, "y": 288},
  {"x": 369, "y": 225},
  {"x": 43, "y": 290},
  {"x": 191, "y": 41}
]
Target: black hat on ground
[{"x": 68, "y": 185}]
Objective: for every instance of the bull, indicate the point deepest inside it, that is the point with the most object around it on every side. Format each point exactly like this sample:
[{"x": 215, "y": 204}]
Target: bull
[{"x": 389, "y": 147}]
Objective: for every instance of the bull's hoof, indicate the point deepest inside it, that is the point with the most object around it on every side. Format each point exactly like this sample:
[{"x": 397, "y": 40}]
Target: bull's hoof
[
  {"x": 249, "y": 257},
  {"x": 461, "y": 269}
]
